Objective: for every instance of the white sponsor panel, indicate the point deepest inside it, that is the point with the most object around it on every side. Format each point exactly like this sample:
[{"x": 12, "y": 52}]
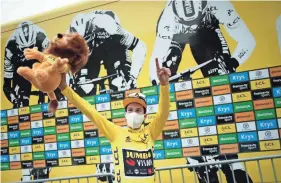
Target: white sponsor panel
[
  {"x": 246, "y": 126},
  {"x": 222, "y": 99},
  {"x": 152, "y": 108},
  {"x": 268, "y": 134},
  {"x": 51, "y": 146},
  {"x": 173, "y": 115},
  {"x": 4, "y": 136},
  {"x": 85, "y": 118},
  {"x": 64, "y": 153},
  {"x": 62, "y": 104},
  {"x": 37, "y": 124},
  {"x": 77, "y": 143},
  {"x": 190, "y": 142},
  {"x": 12, "y": 112},
  {"x": 103, "y": 106},
  {"x": 186, "y": 85},
  {"x": 106, "y": 158},
  {"x": 26, "y": 149},
  {"x": 14, "y": 157},
  {"x": 207, "y": 130},
  {"x": 259, "y": 74}
]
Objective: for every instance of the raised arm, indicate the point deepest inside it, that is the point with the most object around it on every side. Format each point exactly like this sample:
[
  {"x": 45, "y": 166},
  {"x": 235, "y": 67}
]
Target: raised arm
[
  {"x": 106, "y": 127},
  {"x": 157, "y": 125}
]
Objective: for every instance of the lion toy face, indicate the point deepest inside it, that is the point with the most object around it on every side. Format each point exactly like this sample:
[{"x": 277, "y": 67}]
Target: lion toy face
[{"x": 71, "y": 46}]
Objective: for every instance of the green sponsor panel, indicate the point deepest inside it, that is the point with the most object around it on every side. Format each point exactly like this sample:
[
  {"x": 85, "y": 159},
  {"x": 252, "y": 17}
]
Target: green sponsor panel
[
  {"x": 172, "y": 97},
  {"x": 35, "y": 109},
  {"x": 76, "y": 127},
  {"x": 118, "y": 113},
  {"x": 227, "y": 138},
  {"x": 265, "y": 114},
  {"x": 5, "y": 166},
  {"x": 104, "y": 141},
  {"x": 149, "y": 90},
  {"x": 92, "y": 151},
  {"x": 14, "y": 142},
  {"x": 219, "y": 80},
  {"x": 49, "y": 130},
  {"x": 38, "y": 155},
  {"x": 63, "y": 137},
  {"x": 243, "y": 106},
  {"x": 3, "y": 121},
  {"x": 277, "y": 102},
  {"x": 90, "y": 99},
  {"x": 173, "y": 153},
  {"x": 158, "y": 145},
  {"x": 205, "y": 111},
  {"x": 188, "y": 123},
  {"x": 25, "y": 133}
]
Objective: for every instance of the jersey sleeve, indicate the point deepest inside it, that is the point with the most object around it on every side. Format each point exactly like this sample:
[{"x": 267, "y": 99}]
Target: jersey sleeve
[
  {"x": 9, "y": 66},
  {"x": 106, "y": 127},
  {"x": 157, "y": 125},
  {"x": 225, "y": 12},
  {"x": 42, "y": 41}
]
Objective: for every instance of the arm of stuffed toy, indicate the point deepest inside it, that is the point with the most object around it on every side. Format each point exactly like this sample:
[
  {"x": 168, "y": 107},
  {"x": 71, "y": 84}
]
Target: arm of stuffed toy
[
  {"x": 34, "y": 54},
  {"x": 64, "y": 68}
]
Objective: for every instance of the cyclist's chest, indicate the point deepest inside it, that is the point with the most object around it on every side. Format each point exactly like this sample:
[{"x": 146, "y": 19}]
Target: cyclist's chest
[{"x": 191, "y": 27}]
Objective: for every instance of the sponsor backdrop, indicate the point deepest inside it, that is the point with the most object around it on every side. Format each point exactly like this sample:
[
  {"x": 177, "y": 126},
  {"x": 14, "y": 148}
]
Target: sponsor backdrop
[{"x": 239, "y": 113}]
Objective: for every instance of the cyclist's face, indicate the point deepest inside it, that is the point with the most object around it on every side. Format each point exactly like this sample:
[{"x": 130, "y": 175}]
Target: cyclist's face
[{"x": 135, "y": 107}]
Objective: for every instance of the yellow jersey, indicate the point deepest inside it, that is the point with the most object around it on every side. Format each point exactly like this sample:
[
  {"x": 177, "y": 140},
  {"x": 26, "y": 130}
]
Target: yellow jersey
[{"x": 132, "y": 149}]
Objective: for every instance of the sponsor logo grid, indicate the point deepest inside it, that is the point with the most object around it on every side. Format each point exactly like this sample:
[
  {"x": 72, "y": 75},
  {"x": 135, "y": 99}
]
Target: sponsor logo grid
[{"x": 240, "y": 112}]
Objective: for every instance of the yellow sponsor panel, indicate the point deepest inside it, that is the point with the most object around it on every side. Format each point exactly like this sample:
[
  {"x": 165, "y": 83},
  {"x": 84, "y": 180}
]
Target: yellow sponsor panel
[
  {"x": 189, "y": 132},
  {"x": 24, "y": 110},
  {"x": 4, "y": 128},
  {"x": 76, "y": 135},
  {"x": 117, "y": 104},
  {"x": 200, "y": 83},
  {"x": 150, "y": 117},
  {"x": 269, "y": 145},
  {"x": 49, "y": 122},
  {"x": 93, "y": 159},
  {"x": 173, "y": 106},
  {"x": 64, "y": 161},
  {"x": 37, "y": 147},
  {"x": 278, "y": 112},
  {"x": 260, "y": 84},
  {"x": 14, "y": 150},
  {"x": 106, "y": 114},
  {"x": 209, "y": 140},
  {"x": 26, "y": 156},
  {"x": 61, "y": 113},
  {"x": 243, "y": 96},
  {"x": 229, "y": 128}
]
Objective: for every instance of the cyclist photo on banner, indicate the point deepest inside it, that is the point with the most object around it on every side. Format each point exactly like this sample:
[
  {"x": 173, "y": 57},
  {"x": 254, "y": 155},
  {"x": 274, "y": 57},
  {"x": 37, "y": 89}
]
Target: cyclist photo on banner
[
  {"x": 16, "y": 88},
  {"x": 199, "y": 24},
  {"x": 110, "y": 45}
]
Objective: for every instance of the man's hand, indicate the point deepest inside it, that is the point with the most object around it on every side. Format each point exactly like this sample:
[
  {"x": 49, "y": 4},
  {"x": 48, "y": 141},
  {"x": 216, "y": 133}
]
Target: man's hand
[
  {"x": 163, "y": 74},
  {"x": 33, "y": 54}
]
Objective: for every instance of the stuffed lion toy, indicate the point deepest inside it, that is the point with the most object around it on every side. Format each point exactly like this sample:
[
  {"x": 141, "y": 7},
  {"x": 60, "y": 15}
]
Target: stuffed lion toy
[{"x": 45, "y": 75}]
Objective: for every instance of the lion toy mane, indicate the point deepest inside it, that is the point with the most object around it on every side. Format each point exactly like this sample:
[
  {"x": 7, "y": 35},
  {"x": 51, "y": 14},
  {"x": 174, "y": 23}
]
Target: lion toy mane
[{"x": 45, "y": 75}]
